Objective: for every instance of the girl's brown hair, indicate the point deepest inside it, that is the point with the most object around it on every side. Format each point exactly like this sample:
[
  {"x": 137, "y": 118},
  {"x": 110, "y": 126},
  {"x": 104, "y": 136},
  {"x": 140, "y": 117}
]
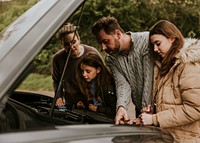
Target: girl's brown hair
[
  {"x": 169, "y": 30},
  {"x": 93, "y": 60}
]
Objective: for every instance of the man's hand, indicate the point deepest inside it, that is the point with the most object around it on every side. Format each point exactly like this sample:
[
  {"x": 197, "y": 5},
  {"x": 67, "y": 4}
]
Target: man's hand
[
  {"x": 136, "y": 121},
  {"x": 121, "y": 116},
  {"x": 60, "y": 102}
]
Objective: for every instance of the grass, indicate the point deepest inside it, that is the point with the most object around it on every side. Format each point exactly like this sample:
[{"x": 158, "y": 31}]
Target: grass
[{"x": 37, "y": 82}]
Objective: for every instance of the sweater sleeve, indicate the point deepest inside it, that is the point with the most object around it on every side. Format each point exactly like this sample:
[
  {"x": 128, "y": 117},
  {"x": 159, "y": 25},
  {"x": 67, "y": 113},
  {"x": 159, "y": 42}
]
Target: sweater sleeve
[
  {"x": 56, "y": 74},
  {"x": 148, "y": 79},
  {"x": 142, "y": 40},
  {"x": 123, "y": 89}
]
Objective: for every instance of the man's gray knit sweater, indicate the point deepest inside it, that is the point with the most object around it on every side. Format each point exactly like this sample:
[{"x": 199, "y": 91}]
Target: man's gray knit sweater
[{"x": 133, "y": 73}]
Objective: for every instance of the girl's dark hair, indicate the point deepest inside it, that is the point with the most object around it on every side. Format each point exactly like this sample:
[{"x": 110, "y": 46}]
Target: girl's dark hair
[
  {"x": 169, "y": 30},
  {"x": 93, "y": 60}
]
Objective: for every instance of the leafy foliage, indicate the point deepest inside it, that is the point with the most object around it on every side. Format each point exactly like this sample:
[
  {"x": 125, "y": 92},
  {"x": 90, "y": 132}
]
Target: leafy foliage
[
  {"x": 133, "y": 15},
  {"x": 37, "y": 82}
]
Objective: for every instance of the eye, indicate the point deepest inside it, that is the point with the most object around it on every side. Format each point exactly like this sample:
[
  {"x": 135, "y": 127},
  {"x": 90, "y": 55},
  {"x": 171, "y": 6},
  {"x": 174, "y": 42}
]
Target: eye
[
  {"x": 73, "y": 42},
  {"x": 105, "y": 42},
  {"x": 157, "y": 43},
  {"x": 88, "y": 71}
]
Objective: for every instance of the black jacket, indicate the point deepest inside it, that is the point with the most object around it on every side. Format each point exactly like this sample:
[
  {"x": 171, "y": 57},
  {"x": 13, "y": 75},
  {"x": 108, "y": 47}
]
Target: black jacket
[{"x": 107, "y": 93}]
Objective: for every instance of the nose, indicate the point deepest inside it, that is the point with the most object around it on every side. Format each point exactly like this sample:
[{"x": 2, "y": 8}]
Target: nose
[
  {"x": 84, "y": 74},
  {"x": 73, "y": 47},
  {"x": 103, "y": 46},
  {"x": 155, "y": 48}
]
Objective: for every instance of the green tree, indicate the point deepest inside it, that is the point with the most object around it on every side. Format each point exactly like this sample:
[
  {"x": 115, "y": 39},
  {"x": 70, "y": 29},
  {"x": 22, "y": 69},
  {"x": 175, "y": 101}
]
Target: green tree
[
  {"x": 133, "y": 15},
  {"x": 14, "y": 11}
]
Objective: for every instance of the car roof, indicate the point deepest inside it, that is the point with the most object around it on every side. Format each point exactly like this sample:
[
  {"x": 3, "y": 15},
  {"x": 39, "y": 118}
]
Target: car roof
[{"x": 21, "y": 41}]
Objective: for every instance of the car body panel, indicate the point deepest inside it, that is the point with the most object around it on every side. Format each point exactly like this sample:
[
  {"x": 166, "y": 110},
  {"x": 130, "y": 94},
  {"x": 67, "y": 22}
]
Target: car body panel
[{"x": 93, "y": 133}]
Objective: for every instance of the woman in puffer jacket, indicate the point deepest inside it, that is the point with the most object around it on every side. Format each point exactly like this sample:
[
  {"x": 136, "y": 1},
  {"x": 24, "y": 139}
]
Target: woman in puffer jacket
[{"x": 176, "y": 92}]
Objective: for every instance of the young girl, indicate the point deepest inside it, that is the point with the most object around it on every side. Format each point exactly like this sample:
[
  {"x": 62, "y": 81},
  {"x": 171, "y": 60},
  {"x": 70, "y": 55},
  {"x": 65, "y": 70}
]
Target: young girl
[{"x": 97, "y": 85}]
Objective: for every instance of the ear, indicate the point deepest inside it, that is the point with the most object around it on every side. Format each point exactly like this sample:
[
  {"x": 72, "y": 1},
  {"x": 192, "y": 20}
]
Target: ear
[
  {"x": 172, "y": 39},
  {"x": 98, "y": 70},
  {"x": 118, "y": 33}
]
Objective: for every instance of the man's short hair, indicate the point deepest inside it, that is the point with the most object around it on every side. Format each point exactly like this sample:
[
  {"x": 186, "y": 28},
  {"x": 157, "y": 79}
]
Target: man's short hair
[
  {"x": 67, "y": 29},
  {"x": 109, "y": 24}
]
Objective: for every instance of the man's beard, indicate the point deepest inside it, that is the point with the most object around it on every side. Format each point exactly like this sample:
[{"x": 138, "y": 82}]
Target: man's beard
[{"x": 117, "y": 47}]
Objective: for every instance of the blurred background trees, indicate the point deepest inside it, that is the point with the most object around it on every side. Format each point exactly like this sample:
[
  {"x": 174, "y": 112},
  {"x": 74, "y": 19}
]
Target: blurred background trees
[{"x": 133, "y": 15}]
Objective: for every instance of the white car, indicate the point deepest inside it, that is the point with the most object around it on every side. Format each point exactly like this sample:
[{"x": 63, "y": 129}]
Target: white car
[{"x": 24, "y": 116}]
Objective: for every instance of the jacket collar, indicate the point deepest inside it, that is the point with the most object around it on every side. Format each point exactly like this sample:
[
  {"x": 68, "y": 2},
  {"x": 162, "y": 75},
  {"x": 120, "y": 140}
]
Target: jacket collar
[{"x": 190, "y": 51}]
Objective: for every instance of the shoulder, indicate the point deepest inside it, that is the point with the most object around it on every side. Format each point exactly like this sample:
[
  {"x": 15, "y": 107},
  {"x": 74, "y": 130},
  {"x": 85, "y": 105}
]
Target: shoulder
[
  {"x": 89, "y": 48},
  {"x": 140, "y": 35},
  {"x": 140, "y": 42},
  {"x": 59, "y": 54},
  {"x": 112, "y": 59},
  {"x": 190, "y": 52}
]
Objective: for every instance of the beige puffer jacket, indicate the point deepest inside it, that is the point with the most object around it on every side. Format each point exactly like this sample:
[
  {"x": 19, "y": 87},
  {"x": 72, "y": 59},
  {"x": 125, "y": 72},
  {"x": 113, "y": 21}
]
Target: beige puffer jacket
[{"x": 177, "y": 95}]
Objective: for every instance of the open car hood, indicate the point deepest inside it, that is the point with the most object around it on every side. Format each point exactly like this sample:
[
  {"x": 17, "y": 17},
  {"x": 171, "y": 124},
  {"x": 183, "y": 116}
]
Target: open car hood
[
  {"x": 91, "y": 133},
  {"x": 21, "y": 41}
]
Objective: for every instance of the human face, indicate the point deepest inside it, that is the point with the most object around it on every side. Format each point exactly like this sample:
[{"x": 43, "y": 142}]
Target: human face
[
  {"x": 109, "y": 43},
  {"x": 68, "y": 40},
  {"x": 161, "y": 44},
  {"x": 89, "y": 72}
]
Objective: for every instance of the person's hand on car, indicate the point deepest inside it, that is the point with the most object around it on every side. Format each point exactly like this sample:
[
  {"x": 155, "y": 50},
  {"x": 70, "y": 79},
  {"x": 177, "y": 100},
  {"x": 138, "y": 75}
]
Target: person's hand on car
[
  {"x": 60, "y": 102},
  {"x": 148, "y": 109},
  {"x": 146, "y": 118},
  {"x": 121, "y": 116}
]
